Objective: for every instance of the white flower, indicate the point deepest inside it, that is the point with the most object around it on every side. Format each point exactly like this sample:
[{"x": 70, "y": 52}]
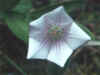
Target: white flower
[{"x": 54, "y": 36}]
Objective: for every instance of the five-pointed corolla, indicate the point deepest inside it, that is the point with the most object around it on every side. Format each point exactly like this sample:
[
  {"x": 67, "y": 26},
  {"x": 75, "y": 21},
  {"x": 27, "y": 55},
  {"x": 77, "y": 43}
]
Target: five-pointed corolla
[{"x": 54, "y": 36}]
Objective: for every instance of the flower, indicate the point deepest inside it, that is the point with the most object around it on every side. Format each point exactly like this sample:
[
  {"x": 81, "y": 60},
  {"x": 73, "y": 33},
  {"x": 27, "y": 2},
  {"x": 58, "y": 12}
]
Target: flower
[{"x": 54, "y": 36}]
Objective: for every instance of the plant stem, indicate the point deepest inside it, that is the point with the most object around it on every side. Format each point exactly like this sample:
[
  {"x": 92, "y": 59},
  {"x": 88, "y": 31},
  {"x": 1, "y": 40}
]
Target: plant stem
[
  {"x": 14, "y": 64},
  {"x": 93, "y": 43}
]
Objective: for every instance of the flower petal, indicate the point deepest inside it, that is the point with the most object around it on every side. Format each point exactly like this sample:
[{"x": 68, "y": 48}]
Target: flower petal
[
  {"x": 38, "y": 36},
  {"x": 77, "y": 37},
  {"x": 38, "y": 23},
  {"x": 60, "y": 55},
  {"x": 33, "y": 47},
  {"x": 57, "y": 17},
  {"x": 35, "y": 50}
]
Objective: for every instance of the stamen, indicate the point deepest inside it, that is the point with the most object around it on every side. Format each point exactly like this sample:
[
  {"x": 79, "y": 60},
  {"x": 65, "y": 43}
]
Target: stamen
[{"x": 55, "y": 32}]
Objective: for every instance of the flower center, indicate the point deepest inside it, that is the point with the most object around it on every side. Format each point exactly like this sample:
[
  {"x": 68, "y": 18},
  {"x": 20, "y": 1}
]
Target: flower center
[{"x": 55, "y": 32}]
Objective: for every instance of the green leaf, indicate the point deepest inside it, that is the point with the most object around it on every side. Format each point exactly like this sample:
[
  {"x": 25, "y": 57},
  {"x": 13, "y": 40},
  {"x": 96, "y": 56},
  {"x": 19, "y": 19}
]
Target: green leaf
[
  {"x": 19, "y": 25},
  {"x": 24, "y": 6}
]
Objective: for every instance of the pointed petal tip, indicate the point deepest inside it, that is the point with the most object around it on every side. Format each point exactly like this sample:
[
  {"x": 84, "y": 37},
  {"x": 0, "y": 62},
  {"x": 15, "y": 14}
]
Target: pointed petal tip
[
  {"x": 79, "y": 30},
  {"x": 60, "y": 57},
  {"x": 28, "y": 57},
  {"x": 60, "y": 7},
  {"x": 60, "y": 65},
  {"x": 88, "y": 37},
  {"x": 31, "y": 23}
]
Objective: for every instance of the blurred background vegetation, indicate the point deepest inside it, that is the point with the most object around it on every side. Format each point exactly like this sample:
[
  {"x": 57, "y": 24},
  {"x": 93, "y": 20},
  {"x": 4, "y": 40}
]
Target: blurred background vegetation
[{"x": 15, "y": 16}]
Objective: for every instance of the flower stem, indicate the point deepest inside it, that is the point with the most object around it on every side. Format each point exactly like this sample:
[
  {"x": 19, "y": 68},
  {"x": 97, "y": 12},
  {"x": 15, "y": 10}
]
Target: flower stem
[{"x": 14, "y": 64}]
